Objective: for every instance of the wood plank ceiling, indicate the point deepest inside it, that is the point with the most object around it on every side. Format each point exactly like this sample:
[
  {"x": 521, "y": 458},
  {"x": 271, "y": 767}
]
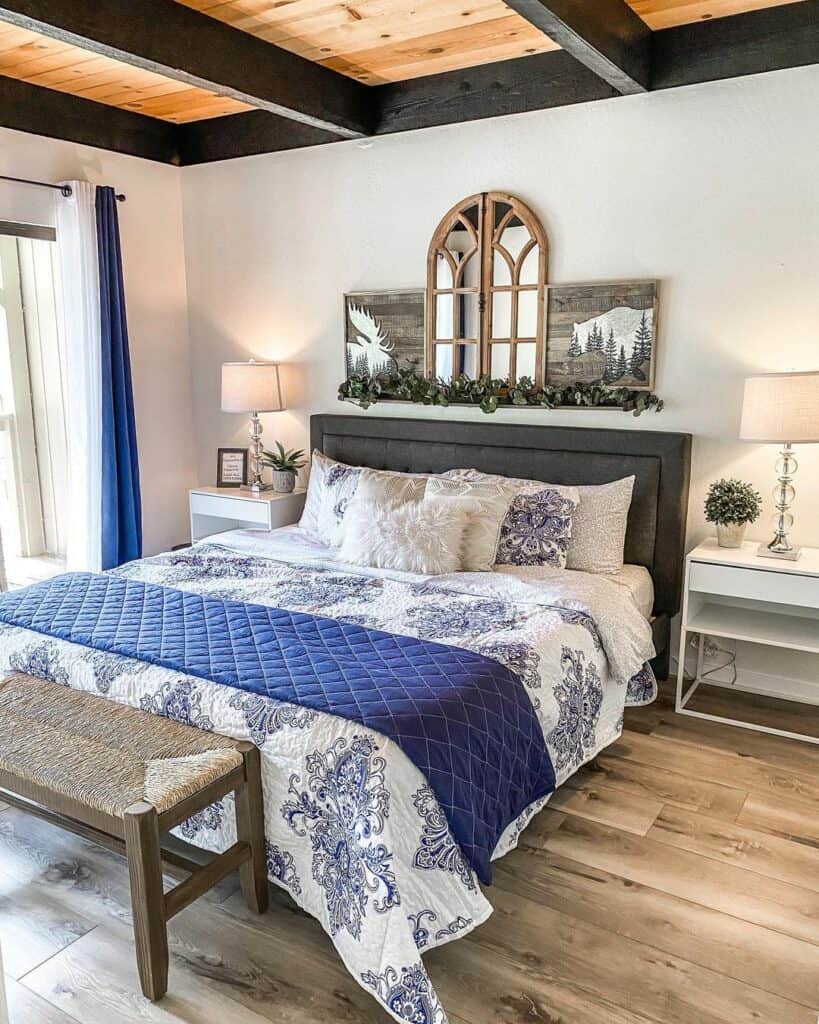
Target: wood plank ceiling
[
  {"x": 191, "y": 81},
  {"x": 379, "y": 41},
  {"x": 372, "y": 41},
  {"x": 39, "y": 60}
]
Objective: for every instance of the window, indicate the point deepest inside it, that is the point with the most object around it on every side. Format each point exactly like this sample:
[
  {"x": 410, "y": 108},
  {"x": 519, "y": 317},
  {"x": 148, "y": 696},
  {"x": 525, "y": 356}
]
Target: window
[
  {"x": 486, "y": 275},
  {"x": 33, "y": 461}
]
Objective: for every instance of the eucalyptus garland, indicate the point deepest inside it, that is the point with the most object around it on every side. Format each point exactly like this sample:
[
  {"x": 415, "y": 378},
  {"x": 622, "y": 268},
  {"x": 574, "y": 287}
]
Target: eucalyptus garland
[{"x": 489, "y": 394}]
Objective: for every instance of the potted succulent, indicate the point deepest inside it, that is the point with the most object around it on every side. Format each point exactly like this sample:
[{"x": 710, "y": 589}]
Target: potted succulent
[
  {"x": 732, "y": 504},
  {"x": 285, "y": 466}
]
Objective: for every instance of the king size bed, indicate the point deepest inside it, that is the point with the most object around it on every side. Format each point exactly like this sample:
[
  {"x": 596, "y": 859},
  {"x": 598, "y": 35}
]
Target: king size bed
[{"x": 409, "y": 723}]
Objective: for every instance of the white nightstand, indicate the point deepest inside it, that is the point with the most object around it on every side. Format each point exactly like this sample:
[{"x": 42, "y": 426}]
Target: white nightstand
[
  {"x": 4, "y": 1010},
  {"x": 735, "y": 594},
  {"x": 216, "y": 509}
]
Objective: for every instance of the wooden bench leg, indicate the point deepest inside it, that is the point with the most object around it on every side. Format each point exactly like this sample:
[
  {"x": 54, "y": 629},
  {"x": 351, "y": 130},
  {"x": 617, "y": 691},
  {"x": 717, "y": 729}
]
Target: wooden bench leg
[
  {"x": 250, "y": 829},
  {"x": 147, "y": 898}
]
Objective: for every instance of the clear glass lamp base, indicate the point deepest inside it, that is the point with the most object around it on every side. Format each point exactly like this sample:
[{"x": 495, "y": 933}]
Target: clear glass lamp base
[
  {"x": 783, "y": 496},
  {"x": 256, "y": 485}
]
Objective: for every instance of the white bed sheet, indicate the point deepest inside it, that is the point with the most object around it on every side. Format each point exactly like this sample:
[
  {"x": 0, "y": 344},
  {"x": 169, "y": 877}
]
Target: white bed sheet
[{"x": 291, "y": 541}]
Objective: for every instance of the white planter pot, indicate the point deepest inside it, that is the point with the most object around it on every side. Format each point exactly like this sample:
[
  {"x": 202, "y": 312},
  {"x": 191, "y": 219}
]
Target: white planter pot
[
  {"x": 284, "y": 481},
  {"x": 730, "y": 535}
]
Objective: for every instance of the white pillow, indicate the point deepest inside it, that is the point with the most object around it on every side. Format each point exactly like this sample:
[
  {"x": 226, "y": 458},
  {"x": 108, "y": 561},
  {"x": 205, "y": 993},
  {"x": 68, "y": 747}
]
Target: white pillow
[
  {"x": 332, "y": 485},
  {"x": 489, "y": 500},
  {"x": 598, "y": 523},
  {"x": 415, "y": 537}
]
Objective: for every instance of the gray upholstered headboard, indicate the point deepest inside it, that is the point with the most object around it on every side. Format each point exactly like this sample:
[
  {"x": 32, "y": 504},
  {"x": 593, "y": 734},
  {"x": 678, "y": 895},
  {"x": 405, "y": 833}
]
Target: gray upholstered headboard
[{"x": 562, "y": 455}]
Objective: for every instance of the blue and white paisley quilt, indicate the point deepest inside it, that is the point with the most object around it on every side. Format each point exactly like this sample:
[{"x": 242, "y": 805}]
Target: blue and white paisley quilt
[
  {"x": 463, "y": 719},
  {"x": 354, "y": 832}
]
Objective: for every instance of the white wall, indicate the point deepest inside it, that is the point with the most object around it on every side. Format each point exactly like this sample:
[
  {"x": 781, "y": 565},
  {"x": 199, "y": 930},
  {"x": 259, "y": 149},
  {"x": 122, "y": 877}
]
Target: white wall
[
  {"x": 713, "y": 189},
  {"x": 154, "y": 269}
]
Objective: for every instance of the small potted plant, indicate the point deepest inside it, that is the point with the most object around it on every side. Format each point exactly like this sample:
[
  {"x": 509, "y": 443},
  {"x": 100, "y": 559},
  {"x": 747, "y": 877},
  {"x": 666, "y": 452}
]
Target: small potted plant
[
  {"x": 284, "y": 465},
  {"x": 732, "y": 504}
]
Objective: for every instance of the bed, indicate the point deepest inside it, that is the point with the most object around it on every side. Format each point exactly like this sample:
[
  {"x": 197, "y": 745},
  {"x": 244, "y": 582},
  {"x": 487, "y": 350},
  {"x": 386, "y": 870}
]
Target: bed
[{"x": 365, "y": 834}]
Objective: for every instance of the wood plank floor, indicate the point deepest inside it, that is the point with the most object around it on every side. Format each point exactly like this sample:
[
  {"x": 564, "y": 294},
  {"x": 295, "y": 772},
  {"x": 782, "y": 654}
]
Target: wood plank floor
[{"x": 673, "y": 881}]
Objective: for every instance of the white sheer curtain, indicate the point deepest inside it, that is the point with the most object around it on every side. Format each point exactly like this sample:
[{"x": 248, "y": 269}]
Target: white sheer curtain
[{"x": 79, "y": 269}]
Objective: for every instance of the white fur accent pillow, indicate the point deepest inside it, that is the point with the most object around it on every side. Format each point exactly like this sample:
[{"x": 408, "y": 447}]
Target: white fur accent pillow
[{"x": 415, "y": 537}]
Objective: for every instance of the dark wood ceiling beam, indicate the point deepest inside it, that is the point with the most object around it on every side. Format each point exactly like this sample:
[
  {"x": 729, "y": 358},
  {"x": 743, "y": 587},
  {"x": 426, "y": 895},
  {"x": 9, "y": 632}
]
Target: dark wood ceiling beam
[
  {"x": 604, "y": 35},
  {"x": 771, "y": 39},
  {"x": 248, "y": 134},
  {"x": 507, "y": 87},
  {"x": 175, "y": 41},
  {"x": 553, "y": 79},
  {"x": 58, "y": 115}
]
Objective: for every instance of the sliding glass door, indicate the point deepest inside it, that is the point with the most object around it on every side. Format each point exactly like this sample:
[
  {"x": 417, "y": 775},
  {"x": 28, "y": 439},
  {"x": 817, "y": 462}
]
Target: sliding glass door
[{"x": 33, "y": 469}]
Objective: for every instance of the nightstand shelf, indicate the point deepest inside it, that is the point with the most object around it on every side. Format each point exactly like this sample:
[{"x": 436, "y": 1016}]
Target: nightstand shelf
[
  {"x": 733, "y": 594},
  {"x": 758, "y": 627},
  {"x": 217, "y": 509}
]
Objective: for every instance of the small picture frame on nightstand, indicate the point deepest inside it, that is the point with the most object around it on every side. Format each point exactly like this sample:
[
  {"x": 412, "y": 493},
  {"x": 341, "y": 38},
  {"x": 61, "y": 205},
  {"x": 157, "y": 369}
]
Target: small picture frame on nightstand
[{"x": 231, "y": 467}]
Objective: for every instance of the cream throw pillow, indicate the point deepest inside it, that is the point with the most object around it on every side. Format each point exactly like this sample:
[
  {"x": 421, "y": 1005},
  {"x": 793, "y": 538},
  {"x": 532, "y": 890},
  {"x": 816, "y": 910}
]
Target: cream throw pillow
[
  {"x": 379, "y": 487},
  {"x": 415, "y": 537},
  {"x": 489, "y": 501}
]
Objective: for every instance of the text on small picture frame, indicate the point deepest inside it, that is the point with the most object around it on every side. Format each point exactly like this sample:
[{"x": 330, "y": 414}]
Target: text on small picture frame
[{"x": 231, "y": 467}]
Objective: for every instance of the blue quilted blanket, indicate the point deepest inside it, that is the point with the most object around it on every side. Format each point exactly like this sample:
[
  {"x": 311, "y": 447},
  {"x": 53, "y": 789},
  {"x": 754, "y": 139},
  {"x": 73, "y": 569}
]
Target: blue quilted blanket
[{"x": 463, "y": 719}]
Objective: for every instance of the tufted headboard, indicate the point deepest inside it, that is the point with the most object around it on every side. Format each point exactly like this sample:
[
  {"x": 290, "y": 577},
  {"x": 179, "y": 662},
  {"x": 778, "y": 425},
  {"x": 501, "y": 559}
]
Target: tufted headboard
[{"x": 562, "y": 455}]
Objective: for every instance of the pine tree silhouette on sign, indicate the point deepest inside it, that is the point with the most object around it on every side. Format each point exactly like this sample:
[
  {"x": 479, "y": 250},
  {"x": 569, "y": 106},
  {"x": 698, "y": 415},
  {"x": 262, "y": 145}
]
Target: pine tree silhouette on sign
[
  {"x": 611, "y": 358},
  {"x": 622, "y": 365},
  {"x": 574, "y": 348},
  {"x": 636, "y": 360},
  {"x": 643, "y": 339}
]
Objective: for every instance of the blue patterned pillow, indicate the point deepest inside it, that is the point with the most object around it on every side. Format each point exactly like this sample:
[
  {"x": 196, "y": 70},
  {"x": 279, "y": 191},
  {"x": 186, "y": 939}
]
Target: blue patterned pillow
[{"x": 537, "y": 530}]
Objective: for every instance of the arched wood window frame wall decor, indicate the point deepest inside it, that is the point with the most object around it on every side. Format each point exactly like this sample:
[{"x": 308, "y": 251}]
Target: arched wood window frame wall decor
[{"x": 485, "y": 295}]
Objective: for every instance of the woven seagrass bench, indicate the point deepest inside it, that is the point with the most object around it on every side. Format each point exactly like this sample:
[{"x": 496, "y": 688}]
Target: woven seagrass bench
[{"x": 122, "y": 777}]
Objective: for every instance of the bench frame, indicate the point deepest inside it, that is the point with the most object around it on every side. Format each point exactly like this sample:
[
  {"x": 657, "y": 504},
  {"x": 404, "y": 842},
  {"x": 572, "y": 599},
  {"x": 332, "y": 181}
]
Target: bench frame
[{"x": 137, "y": 835}]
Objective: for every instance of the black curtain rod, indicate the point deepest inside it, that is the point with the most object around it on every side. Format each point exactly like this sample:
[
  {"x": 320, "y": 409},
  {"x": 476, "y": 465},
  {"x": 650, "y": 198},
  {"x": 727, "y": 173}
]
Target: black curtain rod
[{"x": 64, "y": 190}]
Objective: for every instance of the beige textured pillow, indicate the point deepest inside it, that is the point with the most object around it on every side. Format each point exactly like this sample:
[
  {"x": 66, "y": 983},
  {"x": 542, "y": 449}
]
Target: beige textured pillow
[
  {"x": 599, "y": 527},
  {"x": 379, "y": 487},
  {"x": 598, "y": 524},
  {"x": 416, "y": 537},
  {"x": 490, "y": 500}
]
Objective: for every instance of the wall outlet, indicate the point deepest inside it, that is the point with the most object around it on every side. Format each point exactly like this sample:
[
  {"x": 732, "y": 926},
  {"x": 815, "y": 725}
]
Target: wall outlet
[{"x": 711, "y": 649}]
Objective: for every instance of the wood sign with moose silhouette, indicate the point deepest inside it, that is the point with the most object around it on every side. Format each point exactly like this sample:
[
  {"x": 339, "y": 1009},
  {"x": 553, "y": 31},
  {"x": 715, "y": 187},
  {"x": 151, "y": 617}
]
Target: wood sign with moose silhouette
[
  {"x": 602, "y": 333},
  {"x": 384, "y": 332}
]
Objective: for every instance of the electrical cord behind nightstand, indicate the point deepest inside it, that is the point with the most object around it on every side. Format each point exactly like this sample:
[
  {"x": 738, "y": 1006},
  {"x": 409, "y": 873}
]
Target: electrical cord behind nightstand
[{"x": 730, "y": 663}]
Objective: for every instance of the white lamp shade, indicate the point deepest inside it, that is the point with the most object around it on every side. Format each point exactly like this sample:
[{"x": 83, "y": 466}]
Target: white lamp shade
[
  {"x": 781, "y": 407},
  {"x": 251, "y": 387}
]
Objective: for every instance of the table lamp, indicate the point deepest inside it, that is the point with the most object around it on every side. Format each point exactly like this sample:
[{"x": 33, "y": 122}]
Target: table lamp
[
  {"x": 781, "y": 408},
  {"x": 252, "y": 387}
]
